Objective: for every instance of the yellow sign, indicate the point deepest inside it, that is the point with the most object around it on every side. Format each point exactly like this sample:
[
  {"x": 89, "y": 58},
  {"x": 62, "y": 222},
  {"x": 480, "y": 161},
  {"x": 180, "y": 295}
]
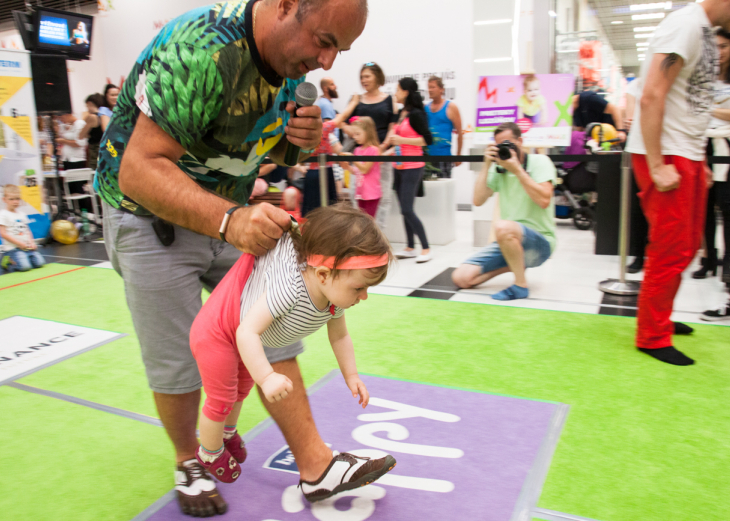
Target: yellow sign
[
  {"x": 9, "y": 85},
  {"x": 32, "y": 196},
  {"x": 21, "y": 126}
]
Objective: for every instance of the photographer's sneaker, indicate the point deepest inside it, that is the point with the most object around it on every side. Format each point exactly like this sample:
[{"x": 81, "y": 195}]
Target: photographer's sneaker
[
  {"x": 346, "y": 472},
  {"x": 236, "y": 447},
  {"x": 196, "y": 493},
  {"x": 224, "y": 468},
  {"x": 717, "y": 315}
]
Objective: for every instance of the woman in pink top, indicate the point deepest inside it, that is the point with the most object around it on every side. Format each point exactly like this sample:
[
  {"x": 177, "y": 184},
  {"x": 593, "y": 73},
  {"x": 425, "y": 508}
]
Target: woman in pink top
[
  {"x": 368, "y": 191},
  {"x": 408, "y": 136}
]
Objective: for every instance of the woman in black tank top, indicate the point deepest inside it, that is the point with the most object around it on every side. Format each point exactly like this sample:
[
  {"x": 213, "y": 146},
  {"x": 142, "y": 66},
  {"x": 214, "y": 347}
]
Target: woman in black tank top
[{"x": 374, "y": 103}]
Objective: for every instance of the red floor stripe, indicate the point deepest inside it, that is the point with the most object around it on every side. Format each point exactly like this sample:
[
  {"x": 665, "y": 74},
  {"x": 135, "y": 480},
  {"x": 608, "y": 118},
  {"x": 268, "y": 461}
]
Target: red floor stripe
[{"x": 47, "y": 277}]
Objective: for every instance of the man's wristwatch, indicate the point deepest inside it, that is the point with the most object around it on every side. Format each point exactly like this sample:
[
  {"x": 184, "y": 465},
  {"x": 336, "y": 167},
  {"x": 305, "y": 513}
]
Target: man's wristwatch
[{"x": 224, "y": 224}]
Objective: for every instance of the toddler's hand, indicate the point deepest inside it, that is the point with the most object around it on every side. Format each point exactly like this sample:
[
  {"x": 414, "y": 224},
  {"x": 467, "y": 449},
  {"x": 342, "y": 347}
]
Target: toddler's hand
[
  {"x": 276, "y": 387},
  {"x": 358, "y": 388}
]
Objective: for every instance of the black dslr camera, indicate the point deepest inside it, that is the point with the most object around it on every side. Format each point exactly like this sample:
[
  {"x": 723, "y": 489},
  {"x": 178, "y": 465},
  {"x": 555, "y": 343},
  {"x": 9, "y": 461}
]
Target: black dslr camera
[{"x": 504, "y": 153}]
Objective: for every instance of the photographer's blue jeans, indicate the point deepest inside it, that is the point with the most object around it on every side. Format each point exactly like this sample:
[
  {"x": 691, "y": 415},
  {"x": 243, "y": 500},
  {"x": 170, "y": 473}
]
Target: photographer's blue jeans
[
  {"x": 25, "y": 260},
  {"x": 410, "y": 178}
]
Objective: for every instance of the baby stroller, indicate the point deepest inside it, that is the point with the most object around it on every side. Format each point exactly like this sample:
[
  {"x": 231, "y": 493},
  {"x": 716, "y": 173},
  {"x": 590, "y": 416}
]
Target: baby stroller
[{"x": 575, "y": 191}]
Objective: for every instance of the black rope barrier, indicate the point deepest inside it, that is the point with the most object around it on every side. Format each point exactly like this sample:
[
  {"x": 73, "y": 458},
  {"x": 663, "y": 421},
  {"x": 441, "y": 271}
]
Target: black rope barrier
[
  {"x": 607, "y": 158},
  {"x": 556, "y": 158}
]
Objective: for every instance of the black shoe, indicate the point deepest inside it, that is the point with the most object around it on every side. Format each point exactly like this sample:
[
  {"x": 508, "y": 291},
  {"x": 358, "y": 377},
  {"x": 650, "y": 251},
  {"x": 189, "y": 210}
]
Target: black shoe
[
  {"x": 726, "y": 269},
  {"x": 717, "y": 315},
  {"x": 709, "y": 264},
  {"x": 636, "y": 266}
]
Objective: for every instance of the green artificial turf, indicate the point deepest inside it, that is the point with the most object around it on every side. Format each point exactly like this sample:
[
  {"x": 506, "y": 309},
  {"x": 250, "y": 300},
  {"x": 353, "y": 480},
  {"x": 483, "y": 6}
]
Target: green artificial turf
[
  {"x": 62, "y": 461},
  {"x": 643, "y": 440},
  {"x": 11, "y": 279}
]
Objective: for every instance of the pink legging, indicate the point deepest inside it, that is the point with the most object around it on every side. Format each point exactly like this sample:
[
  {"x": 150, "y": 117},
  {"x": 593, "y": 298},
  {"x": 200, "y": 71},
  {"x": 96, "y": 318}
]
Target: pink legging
[
  {"x": 369, "y": 206},
  {"x": 213, "y": 343}
]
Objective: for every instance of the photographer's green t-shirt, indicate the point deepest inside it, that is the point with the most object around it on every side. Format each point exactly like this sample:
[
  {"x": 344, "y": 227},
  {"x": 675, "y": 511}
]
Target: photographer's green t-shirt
[{"x": 516, "y": 205}]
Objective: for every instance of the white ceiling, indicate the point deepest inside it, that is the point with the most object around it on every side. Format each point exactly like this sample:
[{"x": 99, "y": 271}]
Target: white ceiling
[{"x": 621, "y": 36}]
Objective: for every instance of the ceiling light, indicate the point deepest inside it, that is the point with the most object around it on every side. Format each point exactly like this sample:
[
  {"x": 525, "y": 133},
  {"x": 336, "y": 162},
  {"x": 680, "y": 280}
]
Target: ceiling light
[
  {"x": 490, "y": 60},
  {"x": 493, "y": 22},
  {"x": 641, "y": 55},
  {"x": 643, "y": 45},
  {"x": 648, "y": 16},
  {"x": 648, "y": 7},
  {"x": 644, "y": 35},
  {"x": 553, "y": 14},
  {"x": 617, "y": 22},
  {"x": 645, "y": 28},
  {"x": 570, "y": 50}
]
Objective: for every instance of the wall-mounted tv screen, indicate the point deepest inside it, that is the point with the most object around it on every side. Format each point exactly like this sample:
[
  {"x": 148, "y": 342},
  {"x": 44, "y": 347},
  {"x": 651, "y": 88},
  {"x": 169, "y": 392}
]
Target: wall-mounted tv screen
[{"x": 63, "y": 32}]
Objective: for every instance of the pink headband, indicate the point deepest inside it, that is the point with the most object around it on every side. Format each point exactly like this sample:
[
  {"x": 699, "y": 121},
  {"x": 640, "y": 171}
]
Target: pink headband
[{"x": 353, "y": 263}]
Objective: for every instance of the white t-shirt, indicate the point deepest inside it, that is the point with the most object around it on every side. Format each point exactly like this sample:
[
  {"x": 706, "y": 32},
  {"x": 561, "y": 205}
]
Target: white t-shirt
[
  {"x": 688, "y": 33},
  {"x": 69, "y": 153},
  {"x": 16, "y": 224},
  {"x": 295, "y": 315}
]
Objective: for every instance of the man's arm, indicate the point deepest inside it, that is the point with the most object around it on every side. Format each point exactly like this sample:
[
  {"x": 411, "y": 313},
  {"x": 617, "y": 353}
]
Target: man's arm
[
  {"x": 150, "y": 176},
  {"x": 723, "y": 114},
  {"x": 663, "y": 71},
  {"x": 540, "y": 193},
  {"x": 452, "y": 112}
]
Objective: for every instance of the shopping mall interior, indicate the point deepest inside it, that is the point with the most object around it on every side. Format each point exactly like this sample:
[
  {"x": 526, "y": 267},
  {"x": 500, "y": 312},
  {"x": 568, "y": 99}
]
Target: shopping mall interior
[{"x": 535, "y": 238}]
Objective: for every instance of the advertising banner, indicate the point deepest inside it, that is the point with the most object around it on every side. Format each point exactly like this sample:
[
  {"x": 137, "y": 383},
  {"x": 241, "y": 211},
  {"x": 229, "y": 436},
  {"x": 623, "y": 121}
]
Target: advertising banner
[
  {"x": 539, "y": 104},
  {"x": 20, "y": 159},
  {"x": 30, "y": 344}
]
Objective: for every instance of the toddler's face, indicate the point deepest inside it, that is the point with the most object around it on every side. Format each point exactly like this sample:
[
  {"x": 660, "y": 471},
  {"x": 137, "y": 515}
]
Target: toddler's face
[
  {"x": 349, "y": 288},
  {"x": 533, "y": 90}
]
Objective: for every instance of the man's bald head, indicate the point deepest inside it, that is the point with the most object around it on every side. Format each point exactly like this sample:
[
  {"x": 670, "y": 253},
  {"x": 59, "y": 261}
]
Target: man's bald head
[
  {"x": 309, "y": 6},
  {"x": 329, "y": 89},
  {"x": 324, "y": 83}
]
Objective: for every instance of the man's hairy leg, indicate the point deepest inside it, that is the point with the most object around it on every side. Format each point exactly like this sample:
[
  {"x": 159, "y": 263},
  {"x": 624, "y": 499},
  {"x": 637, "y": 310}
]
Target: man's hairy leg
[{"x": 294, "y": 418}]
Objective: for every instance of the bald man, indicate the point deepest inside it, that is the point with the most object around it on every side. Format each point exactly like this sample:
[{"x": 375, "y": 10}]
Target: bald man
[{"x": 329, "y": 92}]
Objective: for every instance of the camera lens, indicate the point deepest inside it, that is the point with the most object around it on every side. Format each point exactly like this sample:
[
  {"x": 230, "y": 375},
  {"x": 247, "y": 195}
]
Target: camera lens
[{"x": 504, "y": 150}]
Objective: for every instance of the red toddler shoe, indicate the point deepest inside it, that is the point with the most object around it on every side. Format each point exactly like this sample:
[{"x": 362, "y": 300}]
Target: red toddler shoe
[
  {"x": 224, "y": 468},
  {"x": 236, "y": 447}
]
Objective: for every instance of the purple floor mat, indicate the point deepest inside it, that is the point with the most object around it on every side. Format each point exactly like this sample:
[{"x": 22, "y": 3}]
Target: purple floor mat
[{"x": 461, "y": 456}]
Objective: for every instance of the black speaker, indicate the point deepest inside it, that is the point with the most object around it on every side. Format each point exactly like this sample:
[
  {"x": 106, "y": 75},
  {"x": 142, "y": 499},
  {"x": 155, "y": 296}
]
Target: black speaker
[{"x": 50, "y": 84}]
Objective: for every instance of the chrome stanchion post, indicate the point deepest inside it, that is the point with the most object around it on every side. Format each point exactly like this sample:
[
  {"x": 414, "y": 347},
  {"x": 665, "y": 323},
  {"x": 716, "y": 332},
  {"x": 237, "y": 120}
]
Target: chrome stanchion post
[
  {"x": 323, "y": 186},
  {"x": 622, "y": 286}
]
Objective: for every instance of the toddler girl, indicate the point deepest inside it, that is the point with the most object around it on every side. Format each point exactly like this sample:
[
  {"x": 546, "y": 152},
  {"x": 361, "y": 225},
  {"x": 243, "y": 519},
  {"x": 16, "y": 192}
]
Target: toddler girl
[
  {"x": 531, "y": 104},
  {"x": 368, "y": 191},
  {"x": 306, "y": 281}
]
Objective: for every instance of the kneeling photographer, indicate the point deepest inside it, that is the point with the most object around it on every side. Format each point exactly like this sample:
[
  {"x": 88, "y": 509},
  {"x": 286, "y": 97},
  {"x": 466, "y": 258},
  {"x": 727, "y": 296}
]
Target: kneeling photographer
[{"x": 526, "y": 232}]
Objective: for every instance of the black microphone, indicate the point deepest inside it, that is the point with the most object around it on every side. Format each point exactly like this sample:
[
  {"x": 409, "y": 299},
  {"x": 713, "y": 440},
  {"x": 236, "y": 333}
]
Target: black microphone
[{"x": 305, "y": 96}]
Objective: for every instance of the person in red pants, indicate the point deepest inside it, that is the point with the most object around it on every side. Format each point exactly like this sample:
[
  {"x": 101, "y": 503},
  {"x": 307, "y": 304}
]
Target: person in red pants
[{"x": 668, "y": 146}]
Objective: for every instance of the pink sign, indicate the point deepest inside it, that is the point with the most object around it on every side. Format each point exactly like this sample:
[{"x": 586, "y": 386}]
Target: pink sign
[{"x": 540, "y": 104}]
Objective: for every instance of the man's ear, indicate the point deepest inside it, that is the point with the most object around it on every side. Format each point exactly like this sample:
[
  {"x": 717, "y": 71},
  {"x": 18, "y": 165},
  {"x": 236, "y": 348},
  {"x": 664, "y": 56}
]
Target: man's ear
[{"x": 286, "y": 7}]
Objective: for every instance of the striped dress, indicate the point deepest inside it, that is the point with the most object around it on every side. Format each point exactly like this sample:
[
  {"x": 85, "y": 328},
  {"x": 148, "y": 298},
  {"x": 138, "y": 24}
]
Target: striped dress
[{"x": 295, "y": 315}]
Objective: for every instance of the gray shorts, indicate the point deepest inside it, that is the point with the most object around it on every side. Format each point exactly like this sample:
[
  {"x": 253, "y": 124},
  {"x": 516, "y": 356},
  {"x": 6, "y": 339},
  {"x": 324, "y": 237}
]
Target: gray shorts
[{"x": 163, "y": 286}]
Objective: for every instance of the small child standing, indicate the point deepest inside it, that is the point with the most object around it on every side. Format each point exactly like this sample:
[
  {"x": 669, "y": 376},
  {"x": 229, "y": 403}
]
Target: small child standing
[
  {"x": 368, "y": 191},
  {"x": 303, "y": 283},
  {"x": 17, "y": 239}
]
